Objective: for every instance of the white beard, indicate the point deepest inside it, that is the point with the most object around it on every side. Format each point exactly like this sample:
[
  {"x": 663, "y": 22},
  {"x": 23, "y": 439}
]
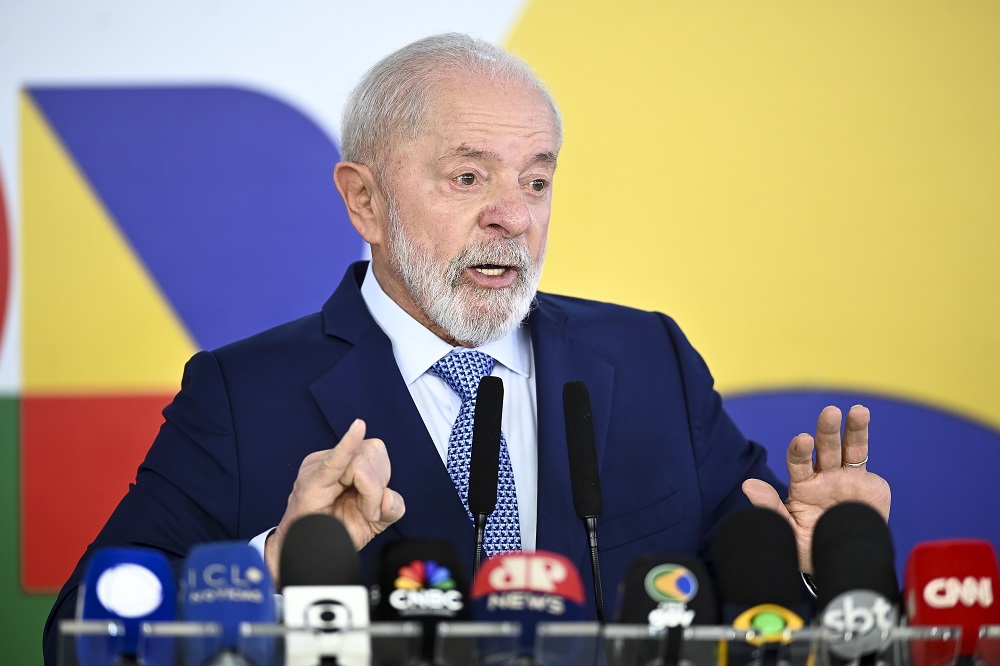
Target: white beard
[{"x": 469, "y": 314}]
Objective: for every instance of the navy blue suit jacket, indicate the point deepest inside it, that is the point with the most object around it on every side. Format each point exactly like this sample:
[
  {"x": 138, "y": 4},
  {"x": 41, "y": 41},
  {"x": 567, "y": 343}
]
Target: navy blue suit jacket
[{"x": 225, "y": 459}]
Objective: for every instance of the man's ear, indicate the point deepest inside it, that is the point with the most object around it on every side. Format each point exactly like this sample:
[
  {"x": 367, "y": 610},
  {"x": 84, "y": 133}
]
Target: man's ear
[{"x": 363, "y": 198}]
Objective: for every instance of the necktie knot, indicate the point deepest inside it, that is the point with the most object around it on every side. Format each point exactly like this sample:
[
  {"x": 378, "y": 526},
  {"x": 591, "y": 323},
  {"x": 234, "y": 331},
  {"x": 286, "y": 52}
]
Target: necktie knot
[{"x": 463, "y": 371}]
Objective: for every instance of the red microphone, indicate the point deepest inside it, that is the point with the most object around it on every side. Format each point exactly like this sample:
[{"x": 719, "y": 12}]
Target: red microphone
[
  {"x": 951, "y": 583},
  {"x": 528, "y": 588}
]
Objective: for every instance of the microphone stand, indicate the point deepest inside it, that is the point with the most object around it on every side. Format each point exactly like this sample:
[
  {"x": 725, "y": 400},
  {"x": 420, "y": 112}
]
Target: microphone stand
[
  {"x": 480, "y": 519},
  {"x": 590, "y": 524}
]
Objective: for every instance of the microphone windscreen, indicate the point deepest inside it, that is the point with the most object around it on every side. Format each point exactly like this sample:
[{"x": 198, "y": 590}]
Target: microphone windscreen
[
  {"x": 318, "y": 551},
  {"x": 130, "y": 586},
  {"x": 667, "y": 593},
  {"x": 528, "y": 588},
  {"x": 582, "y": 449},
  {"x": 852, "y": 550},
  {"x": 484, "y": 464},
  {"x": 756, "y": 560},
  {"x": 667, "y": 590},
  {"x": 321, "y": 583},
  {"x": 420, "y": 579},
  {"x": 951, "y": 583},
  {"x": 227, "y": 583}
]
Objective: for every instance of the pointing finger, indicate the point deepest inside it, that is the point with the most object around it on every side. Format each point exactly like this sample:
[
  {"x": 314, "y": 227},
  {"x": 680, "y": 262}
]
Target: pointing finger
[{"x": 334, "y": 463}]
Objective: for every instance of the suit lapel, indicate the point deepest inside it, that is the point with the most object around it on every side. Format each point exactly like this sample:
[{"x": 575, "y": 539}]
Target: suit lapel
[
  {"x": 365, "y": 383},
  {"x": 560, "y": 359}
]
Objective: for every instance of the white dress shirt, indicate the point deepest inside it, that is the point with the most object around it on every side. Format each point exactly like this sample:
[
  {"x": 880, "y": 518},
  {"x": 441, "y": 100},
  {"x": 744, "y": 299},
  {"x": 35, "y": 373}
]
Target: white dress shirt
[{"x": 416, "y": 349}]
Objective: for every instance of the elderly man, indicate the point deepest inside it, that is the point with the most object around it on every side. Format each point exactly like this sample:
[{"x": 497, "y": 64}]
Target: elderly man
[{"x": 450, "y": 148}]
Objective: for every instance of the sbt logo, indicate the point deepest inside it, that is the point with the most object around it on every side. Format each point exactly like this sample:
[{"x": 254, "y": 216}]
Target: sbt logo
[
  {"x": 861, "y": 622},
  {"x": 949, "y": 592}
]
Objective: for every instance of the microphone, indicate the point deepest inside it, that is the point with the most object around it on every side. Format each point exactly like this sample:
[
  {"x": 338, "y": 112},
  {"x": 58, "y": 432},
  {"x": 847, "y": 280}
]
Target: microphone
[
  {"x": 528, "y": 588},
  {"x": 129, "y": 586},
  {"x": 227, "y": 583},
  {"x": 668, "y": 593},
  {"x": 484, "y": 461},
  {"x": 320, "y": 576},
  {"x": 585, "y": 477},
  {"x": 420, "y": 581},
  {"x": 759, "y": 585},
  {"x": 951, "y": 583},
  {"x": 857, "y": 589}
]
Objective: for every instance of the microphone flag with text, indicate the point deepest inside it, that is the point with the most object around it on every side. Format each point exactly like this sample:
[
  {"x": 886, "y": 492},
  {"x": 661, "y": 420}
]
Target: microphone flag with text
[
  {"x": 668, "y": 593},
  {"x": 528, "y": 588},
  {"x": 320, "y": 575},
  {"x": 227, "y": 583},
  {"x": 951, "y": 583},
  {"x": 856, "y": 585},
  {"x": 420, "y": 581}
]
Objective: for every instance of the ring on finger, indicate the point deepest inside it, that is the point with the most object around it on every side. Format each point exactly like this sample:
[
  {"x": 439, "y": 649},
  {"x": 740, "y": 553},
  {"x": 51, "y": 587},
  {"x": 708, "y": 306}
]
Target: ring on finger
[{"x": 857, "y": 464}]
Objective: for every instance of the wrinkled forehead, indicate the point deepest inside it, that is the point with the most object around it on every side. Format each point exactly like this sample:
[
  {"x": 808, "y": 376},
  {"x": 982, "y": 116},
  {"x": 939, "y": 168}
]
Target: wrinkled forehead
[{"x": 454, "y": 91}]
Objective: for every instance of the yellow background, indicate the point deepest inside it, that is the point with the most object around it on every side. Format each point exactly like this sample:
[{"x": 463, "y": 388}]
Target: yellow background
[{"x": 811, "y": 189}]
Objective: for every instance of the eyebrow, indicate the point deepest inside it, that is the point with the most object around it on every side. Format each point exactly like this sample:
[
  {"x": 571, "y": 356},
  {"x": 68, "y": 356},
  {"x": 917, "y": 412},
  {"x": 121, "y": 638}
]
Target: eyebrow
[{"x": 477, "y": 153}]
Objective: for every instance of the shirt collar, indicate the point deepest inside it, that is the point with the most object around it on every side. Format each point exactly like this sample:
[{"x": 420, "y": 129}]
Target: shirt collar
[{"x": 416, "y": 348}]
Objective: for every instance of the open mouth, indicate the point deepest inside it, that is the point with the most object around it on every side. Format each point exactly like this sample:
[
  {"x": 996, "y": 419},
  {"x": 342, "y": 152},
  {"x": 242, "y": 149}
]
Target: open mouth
[{"x": 491, "y": 269}]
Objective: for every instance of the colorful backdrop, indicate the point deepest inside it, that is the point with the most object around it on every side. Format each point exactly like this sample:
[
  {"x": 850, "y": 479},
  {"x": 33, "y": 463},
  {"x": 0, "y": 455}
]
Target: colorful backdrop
[{"x": 813, "y": 192}]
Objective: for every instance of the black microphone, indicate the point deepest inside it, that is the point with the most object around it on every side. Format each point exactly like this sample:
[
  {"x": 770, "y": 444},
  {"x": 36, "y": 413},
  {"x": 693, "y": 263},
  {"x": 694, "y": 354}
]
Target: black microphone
[
  {"x": 584, "y": 475},
  {"x": 484, "y": 463},
  {"x": 421, "y": 581},
  {"x": 320, "y": 575},
  {"x": 857, "y": 589},
  {"x": 760, "y": 588},
  {"x": 667, "y": 593}
]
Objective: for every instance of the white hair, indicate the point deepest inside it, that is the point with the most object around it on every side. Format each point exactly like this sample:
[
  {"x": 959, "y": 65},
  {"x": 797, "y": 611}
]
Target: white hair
[{"x": 391, "y": 100}]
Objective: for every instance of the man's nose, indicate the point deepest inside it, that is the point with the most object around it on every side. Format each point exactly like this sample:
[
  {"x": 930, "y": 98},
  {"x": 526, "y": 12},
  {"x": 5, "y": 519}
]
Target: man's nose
[{"x": 509, "y": 214}]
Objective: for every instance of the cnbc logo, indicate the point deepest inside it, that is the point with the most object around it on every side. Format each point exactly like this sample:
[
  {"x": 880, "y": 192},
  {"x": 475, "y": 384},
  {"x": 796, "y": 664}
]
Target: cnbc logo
[
  {"x": 425, "y": 588},
  {"x": 671, "y": 583}
]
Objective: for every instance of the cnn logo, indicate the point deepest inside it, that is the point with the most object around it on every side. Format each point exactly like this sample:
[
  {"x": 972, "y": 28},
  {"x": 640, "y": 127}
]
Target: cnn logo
[{"x": 949, "y": 592}]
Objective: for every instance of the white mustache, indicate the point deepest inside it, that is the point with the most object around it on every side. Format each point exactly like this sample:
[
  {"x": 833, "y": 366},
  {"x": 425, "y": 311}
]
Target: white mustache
[{"x": 498, "y": 253}]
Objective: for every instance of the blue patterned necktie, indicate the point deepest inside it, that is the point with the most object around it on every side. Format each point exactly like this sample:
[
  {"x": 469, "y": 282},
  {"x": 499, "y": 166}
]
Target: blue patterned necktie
[{"x": 463, "y": 371}]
